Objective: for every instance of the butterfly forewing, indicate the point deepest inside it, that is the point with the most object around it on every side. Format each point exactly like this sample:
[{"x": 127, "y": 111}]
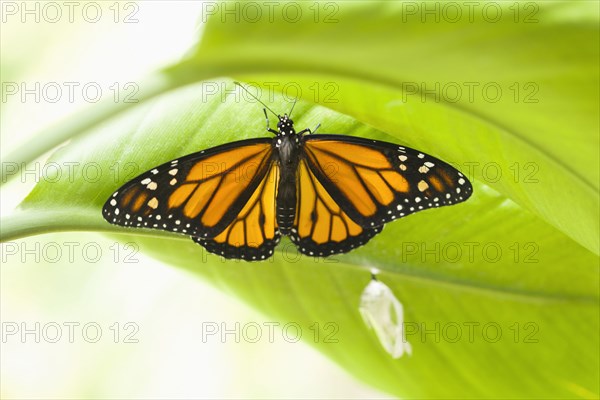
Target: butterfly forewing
[
  {"x": 199, "y": 195},
  {"x": 375, "y": 182}
]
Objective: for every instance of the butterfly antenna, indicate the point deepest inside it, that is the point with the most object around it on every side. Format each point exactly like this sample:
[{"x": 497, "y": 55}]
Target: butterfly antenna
[
  {"x": 293, "y": 105},
  {"x": 256, "y": 98}
]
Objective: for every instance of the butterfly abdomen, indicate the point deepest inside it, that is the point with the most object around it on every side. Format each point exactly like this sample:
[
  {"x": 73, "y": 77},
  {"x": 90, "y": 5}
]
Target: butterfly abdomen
[
  {"x": 287, "y": 152},
  {"x": 285, "y": 218},
  {"x": 286, "y": 200}
]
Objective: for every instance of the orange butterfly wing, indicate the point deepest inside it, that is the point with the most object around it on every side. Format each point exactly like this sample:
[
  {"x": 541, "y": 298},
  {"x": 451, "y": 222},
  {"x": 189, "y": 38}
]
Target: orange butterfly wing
[
  {"x": 376, "y": 182},
  {"x": 253, "y": 234},
  {"x": 321, "y": 226},
  {"x": 198, "y": 195},
  {"x": 349, "y": 187}
]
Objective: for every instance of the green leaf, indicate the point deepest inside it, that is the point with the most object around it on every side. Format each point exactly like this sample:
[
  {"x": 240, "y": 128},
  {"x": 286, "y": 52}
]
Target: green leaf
[
  {"x": 486, "y": 263},
  {"x": 500, "y": 293}
]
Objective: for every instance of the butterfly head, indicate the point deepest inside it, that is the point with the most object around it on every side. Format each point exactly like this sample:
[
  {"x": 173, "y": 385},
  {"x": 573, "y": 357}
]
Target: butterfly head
[{"x": 285, "y": 126}]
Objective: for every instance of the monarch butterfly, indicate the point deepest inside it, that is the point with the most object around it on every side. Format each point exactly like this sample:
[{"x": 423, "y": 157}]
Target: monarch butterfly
[{"x": 328, "y": 193}]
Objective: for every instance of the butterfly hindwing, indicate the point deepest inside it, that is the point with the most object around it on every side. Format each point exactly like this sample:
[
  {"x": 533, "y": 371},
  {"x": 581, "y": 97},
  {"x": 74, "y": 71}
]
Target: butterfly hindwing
[
  {"x": 253, "y": 234},
  {"x": 198, "y": 195},
  {"x": 375, "y": 182},
  {"x": 321, "y": 227}
]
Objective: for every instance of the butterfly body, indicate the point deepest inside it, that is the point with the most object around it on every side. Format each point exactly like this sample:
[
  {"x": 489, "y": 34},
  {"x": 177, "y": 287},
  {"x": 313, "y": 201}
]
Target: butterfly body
[
  {"x": 287, "y": 154},
  {"x": 328, "y": 193}
]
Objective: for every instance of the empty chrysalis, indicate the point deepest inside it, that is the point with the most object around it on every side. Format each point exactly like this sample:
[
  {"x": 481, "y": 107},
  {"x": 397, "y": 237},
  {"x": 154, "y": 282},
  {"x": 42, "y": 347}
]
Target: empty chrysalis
[{"x": 383, "y": 313}]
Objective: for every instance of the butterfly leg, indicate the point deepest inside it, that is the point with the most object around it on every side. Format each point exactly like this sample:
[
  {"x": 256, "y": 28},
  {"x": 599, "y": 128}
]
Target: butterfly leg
[
  {"x": 268, "y": 125},
  {"x": 309, "y": 131}
]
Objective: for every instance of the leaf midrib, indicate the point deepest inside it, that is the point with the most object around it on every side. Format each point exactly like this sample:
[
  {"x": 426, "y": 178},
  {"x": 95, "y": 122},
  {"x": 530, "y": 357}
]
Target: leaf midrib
[{"x": 92, "y": 222}]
